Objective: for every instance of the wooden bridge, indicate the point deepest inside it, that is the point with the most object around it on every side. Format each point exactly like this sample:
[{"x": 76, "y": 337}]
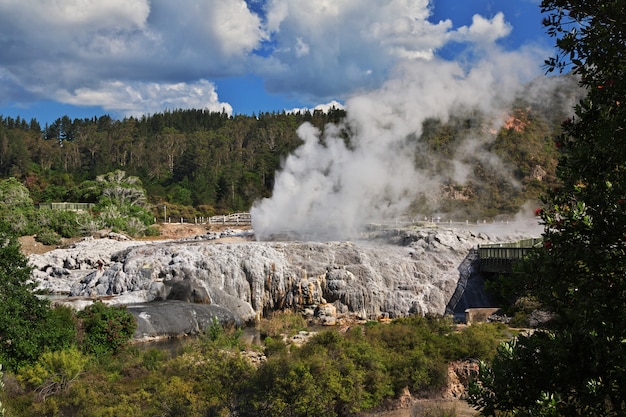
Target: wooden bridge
[
  {"x": 500, "y": 257},
  {"x": 235, "y": 218}
]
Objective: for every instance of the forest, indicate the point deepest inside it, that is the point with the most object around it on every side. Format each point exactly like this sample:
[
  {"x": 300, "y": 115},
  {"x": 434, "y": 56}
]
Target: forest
[{"x": 200, "y": 163}]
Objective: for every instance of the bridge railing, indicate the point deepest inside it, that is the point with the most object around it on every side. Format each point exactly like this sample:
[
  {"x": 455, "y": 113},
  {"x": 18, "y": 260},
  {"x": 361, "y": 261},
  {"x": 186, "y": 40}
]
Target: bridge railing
[
  {"x": 227, "y": 219},
  {"x": 235, "y": 218},
  {"x": 500, "y": 257}
]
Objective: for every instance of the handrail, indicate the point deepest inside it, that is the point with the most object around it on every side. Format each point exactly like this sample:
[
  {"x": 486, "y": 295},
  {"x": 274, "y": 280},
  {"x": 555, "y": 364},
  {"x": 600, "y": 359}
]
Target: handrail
[{"x": 499, "y": 257}]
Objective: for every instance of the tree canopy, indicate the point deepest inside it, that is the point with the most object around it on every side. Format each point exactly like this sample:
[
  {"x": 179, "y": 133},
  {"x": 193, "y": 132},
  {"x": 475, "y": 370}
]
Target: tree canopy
[{"x": 577, "y": 367}]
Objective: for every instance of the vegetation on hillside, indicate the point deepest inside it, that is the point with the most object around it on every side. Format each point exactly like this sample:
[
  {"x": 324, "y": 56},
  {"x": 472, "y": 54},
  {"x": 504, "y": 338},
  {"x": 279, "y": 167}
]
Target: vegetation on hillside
[
  {"x": 119, "y": 205},
  {"x": 333, "y": 374},
  {"x": 198, "y": 163}
]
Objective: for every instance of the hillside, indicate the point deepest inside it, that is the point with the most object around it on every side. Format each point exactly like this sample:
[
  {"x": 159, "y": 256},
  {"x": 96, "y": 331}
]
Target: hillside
[{"x": 199, "y": 163}]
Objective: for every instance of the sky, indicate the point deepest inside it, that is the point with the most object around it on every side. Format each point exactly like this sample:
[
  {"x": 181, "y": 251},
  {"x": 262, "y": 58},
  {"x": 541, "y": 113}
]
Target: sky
[{"x": 85, "y": 58}]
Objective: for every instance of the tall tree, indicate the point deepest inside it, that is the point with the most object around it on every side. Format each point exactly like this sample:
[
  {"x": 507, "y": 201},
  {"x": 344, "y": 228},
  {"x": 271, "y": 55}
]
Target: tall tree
[
  {"x": 21, "y": 312},
  {"x": 578, "y": 368}
]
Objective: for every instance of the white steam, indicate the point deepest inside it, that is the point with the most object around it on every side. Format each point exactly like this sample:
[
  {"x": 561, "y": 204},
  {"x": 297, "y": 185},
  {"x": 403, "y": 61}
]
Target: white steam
[{"x": 327, "y": 190}]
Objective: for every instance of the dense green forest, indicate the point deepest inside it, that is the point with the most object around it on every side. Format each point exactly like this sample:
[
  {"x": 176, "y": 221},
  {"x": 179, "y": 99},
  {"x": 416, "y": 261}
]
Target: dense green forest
[
  {"x": 187, "y": 157},
  {"x": 202, "y": 163}
]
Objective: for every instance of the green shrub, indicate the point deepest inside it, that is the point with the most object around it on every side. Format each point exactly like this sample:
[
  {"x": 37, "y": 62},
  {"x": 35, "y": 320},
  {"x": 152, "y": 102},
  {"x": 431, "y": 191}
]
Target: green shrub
[
  {"x": 48, "y": 237},
  {"x": 1, "y": 388},
  {"x": 282, "y": 322},
  {"x": 152, "y": 359},
  {"x": 152, "y": 231},
  {"x": 105, "y": 328},
  {"x": 274, "y": 346},
  {"x": 23, "y": 315},
  {"x": 54, "y": 371},
  {"x": 519, "y": 320},
  {"x": 60, "y": 328},
  {"x": 479, "y": 341},
  {"x": 217, "y": 335}
]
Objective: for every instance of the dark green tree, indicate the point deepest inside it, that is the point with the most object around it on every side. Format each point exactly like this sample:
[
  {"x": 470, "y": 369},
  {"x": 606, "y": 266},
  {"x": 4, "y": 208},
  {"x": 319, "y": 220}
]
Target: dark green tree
[
  {"x": 22, "y": 314},
  {"x": 578, "y": 367},
  {"x": 105, "y": 328}
]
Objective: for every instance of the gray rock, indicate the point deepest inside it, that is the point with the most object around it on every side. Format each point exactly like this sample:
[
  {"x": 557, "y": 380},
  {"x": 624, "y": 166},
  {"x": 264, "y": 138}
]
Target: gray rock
[
  {"x": 177, "y": 318},
  {"x": 401, "y": 272}
]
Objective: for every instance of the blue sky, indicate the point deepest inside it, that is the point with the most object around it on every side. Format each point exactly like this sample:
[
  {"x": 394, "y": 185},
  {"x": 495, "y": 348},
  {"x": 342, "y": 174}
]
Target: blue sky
[{"x": 85, "y": 58}]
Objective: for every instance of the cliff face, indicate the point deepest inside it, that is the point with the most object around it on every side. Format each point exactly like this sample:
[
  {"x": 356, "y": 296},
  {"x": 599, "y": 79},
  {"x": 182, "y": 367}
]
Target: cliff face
[{"x": 398, "y": 272}]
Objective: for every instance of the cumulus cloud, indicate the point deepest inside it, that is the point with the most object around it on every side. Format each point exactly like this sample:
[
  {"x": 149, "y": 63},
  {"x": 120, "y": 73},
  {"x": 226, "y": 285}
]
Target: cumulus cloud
[
  {"x": 139, "y": 98},
  {"x": 324, "y": 107},
  {"x": 326, "y": 49},
  {"x": 485, "y": 31},
  {"x": 73, "y": 50},
  {"x": 68, "y": 15},
  {"x": 79, "y": 51}
]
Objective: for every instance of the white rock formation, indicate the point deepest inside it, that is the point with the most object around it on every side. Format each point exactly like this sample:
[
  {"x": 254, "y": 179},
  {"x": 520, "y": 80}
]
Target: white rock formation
[{"x": 399, "y": 272}]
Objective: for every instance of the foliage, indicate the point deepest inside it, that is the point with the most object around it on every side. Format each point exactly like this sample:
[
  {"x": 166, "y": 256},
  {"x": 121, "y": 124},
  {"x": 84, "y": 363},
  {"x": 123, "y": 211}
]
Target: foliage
[
  {"x": 578, "y": 368},
  {"x": 13, "y": 195},
  {"x": 48, "y": 237},
  {"x": 334, "y": 374},
  {"x": 62, "y": 223},
  {"x": 1, "y": 388},
  {"x": 23, "y": 316},
  {"x": 105, "y": 329},
  {"x": 205, "y": 163},
  {"x": 122, "y": 204},
  {"x": 281, "y": 323},
  {"x": 54, "y": 371},
  {"x": 217, "y": 335},
  {"x": 15, "y": 205}
]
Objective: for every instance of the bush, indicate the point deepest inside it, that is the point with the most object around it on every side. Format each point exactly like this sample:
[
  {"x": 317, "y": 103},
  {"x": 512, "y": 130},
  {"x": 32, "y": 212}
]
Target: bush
[
  {"x": 1, "y": 387},
  {"x": 282, "y": 322},
  {"x": 54, "y": 371},
  {"x": 105, "y": 328},
  {"x": 152, "y": 231},
  {"x": 48, "y": 237},
  {"x": 274, "y": 346},
  {"x": 60, "y": 328},
  {"x": 23, "y": 316}
]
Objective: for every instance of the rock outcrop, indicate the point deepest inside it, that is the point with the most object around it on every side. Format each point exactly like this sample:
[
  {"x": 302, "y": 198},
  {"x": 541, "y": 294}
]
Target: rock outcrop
[{"x": 396, "y": 273}]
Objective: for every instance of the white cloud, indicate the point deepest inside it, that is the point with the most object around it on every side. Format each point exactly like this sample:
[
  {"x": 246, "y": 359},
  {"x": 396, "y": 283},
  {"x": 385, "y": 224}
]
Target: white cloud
[
  {"x": 485, "y": 31},
  {"x": 135, "y": 99},
  {"x": 316, "y": 51},
  {"x": 329, "y": 48},
  {"x": 324, "y": 107},
  {"x": 302, "y": 48},
  {"x": 233, "y": 25},
  {"x": 89, "y": 45},
  {"x": 67, "y": 15}
]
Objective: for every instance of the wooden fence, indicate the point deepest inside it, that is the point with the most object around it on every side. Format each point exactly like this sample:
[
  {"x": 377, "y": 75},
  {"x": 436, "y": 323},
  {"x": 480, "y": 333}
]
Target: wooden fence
[
  {"x": 227, "y": 219},
  {"x": 66, "y": 206}
]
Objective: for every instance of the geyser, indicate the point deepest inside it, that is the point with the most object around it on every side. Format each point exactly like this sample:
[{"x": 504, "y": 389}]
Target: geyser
[{"x": 330, "y": 188}]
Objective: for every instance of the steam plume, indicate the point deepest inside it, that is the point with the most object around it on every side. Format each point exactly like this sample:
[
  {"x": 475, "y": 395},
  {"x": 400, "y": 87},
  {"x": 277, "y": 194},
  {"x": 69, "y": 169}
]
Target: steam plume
[{"x": 329, "y": 190}]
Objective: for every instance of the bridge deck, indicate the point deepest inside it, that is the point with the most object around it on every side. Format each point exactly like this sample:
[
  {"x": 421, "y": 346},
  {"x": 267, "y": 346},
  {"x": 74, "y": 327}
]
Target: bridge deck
[{"x": 501, "y": 257}]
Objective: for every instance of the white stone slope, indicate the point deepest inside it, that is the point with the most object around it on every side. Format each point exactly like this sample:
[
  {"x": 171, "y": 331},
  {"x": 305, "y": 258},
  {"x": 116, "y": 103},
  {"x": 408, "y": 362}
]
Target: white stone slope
[{"x": 401, "y": 272}]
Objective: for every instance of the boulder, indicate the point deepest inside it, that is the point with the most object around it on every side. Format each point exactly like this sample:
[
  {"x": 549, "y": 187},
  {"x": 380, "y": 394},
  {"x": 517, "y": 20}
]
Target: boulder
[{"x": 177, "y": 318}]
